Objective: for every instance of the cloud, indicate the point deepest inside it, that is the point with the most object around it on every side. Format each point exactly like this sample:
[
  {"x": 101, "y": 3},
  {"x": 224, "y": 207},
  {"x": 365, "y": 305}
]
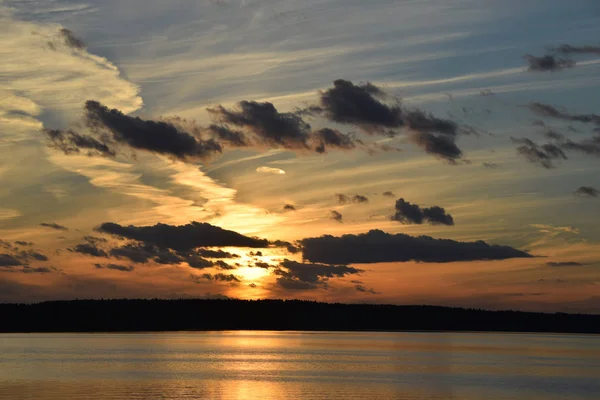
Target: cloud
[
  {"x": 420, "y": 121},
  {"x": 275, "y": 129},
  {"x": 232, "y": 137},
  {"x": 116, "y": 267},
  {"x": 89, "y": 249},
  {"x": 336, "y": 216},
  {"x": 143, "y": 252},
  {"x": 347, "y": 103},
  {"x": 7, "y": 260},
  {"x": 407, "y": 213},
  {"x": 568, "y": 49},
  {"x": 377, "y": 246},
  {"x": 70, "y": 142},
  {"x": 49, "y": 76},
  {"x": 18, "y": 261},
  {"x": 71, "y": 40},
  {"x": 543, "y": 155},
  {"x": 289, "y": 207},
  {"x": 55, "y": 226},
  {"x": 328, "y": 137},
  {"x": 388, "y": 194},
  {"x": 32, "y": 254},
  {"x": 547, "y": 110},
  {"x": 586, "y": 191},
  {"x": 294, "y": 275},
  {"x": 216, "y": 277},
  {"x": 491, "y": 165},
  {"x": 183, "y": 237},
  {"x": 359, "y": 199},
  {"x": 270, "y": 170},
  {"x": 589, "y": 146},
  {"x": 197, "y": 262},
  {"x": 159, "y": 137},
  {"x": 564, "y": 264},
  {"x": 363, "y": 289},
  {"x": 223, "y": 265},
  {"x": 547, "y": 63},
  {"x": 38, "y": 270},
  {"x": 341, "y": 198},
  {"x": 344, "y": 199},
  {"x": 441, "y": 146},
  {"x": 215, "y": 253}
]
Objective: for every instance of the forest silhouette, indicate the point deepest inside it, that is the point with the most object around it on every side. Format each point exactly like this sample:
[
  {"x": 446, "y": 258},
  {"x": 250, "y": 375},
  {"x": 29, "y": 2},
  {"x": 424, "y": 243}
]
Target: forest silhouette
[{"x": 220, "y": 314}]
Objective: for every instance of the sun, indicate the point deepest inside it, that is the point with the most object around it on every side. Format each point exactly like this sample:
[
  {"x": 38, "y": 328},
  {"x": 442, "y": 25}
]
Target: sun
[{"x": 252, "y": 273}]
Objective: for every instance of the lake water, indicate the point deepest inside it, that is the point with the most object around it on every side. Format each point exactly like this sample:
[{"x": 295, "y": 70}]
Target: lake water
[{"x": 299, "y": 365}]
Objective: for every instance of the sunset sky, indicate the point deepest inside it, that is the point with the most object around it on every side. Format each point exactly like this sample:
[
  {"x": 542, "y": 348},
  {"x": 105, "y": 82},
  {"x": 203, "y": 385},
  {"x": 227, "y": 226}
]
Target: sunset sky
[{"x": 302, "y": 149}]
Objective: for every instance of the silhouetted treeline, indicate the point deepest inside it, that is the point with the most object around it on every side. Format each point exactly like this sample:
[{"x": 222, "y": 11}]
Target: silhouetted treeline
[{"x": 179, "y": 315}]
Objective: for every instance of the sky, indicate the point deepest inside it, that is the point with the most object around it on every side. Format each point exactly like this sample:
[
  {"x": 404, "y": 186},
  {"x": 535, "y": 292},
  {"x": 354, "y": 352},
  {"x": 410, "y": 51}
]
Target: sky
[{"x": 404, "y": 152}]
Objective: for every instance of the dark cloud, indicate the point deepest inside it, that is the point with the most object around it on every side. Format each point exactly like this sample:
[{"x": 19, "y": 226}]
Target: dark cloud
[
  {"x": 348, "y": 103},
  {"x": 408, "y": 213},
  {"x": 32, "y": 254},
  {"x": 377, "y": 246},
  {"x": 336, "y": 216},
  {"x": 54, "y": 226},
  {"x": 547, "y": 110},
  {"x": 341, "y": 198},
  {"x": 116, "y": 267},
  {"x": 261, "y": 264},
  {"x": 294, "y": 284},
  {"x": 255, "y": 254},
  {"x": 441, "y": 146},
  {"x": 543, "y": 155},
  {"x": 359, "y": 199},
  {"x": 388, "y": 194},
  {"x": 23, "y": 243},
  {"x": 420, "y": 121},
  {"x": 363, "y": 289},
  {"x": 568, "y": 49},
  {"x": 289, "y": 207},
  {"x": 294, "y": 275},
  {"x": 71, "y": 142},
  {"x": 216, "y": 277},
  {"x": 564, "y": 264},
  {"x": 288, "y": 246},
  {"x": 199, "y": 262},
  {"x": 327, "y": 137},
  {"x": 38, "y": 270},
  {"x": 232, "y": 137},
  {"x": 491, "y": 165},
  {"x": 547, "y": 62},
  {"x": 159, "y": 137},
  {"x": 94, "y": 239},
  {"x": 215, "y": 253},
  {"x": 223, "y": 265},
  {"x": 89, "y": 249},
  {"x": 71, "y": 40},
  {"x": 587, "y": 191},
  {"x": 287, "y": 130},
  {"x": 344, "y": 199},
  {"x": 7, "y": 260},
  {"x": 184, "y": 237},
  {"x": 590, "y": 147},
  {"x": 143, "y": 252}
]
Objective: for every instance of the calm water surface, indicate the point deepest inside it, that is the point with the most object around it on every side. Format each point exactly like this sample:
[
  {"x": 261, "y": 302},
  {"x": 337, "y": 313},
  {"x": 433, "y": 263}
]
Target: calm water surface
[{"x": 299, "y": 365}]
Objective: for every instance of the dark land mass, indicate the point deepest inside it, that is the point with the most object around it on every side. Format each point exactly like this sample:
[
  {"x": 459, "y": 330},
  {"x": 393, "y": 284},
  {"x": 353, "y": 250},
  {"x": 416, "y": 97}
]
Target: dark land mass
[{"x": 201, "y": 315}]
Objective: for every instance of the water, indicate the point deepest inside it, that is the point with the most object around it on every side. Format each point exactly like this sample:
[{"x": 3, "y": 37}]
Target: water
[{"x": 299, "y": 365}]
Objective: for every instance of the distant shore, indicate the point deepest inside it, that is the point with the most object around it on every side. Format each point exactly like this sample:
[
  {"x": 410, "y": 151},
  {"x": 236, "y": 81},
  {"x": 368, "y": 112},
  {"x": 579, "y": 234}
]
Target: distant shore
[{"x": 276, "y": 315}]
